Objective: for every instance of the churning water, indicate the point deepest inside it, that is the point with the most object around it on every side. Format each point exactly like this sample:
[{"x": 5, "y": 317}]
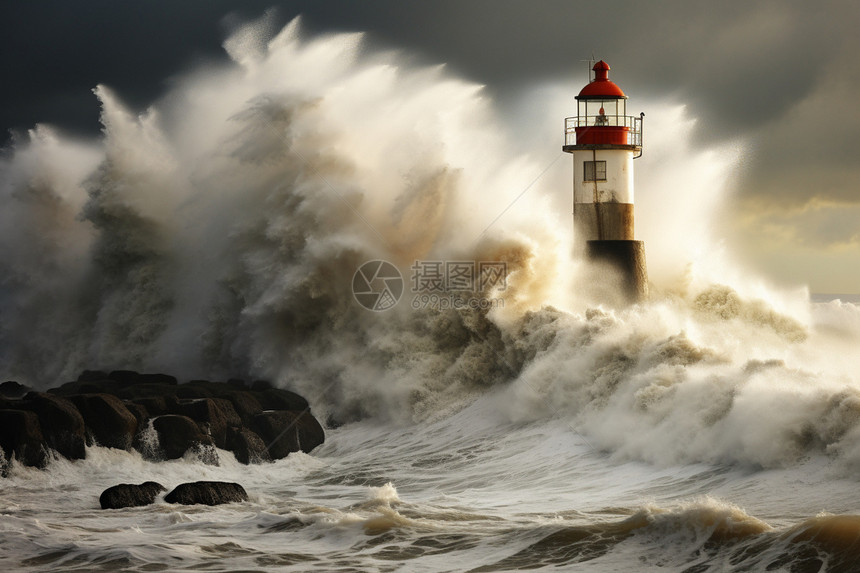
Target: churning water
[{"x": 217, "y": 234}]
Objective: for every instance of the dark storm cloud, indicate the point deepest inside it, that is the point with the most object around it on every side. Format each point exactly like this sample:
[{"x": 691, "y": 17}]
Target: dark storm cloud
[
  {"x": 55, "y": 52},
  {"x": 739, "y": 63}
]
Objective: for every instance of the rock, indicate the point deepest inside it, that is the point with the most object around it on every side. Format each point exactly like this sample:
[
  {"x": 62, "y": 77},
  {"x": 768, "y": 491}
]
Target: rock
[
  {"x": 203, "y": 389},
  {"x": 21, "y": 436},
  {"x": 311, "y": 433},
  {"x": 155, "y": 405},
  {"x": 177, "y": 434},
  {"x": 62, "y": 425},
  {"x": 92, "y": 376},
  {"x": 260, "y": 385},
  {"x": 285, "y": 432},
  {"x": 107, "y": 419},
  {"x": 214, "y": 415},
  {"x": 157, "y": 416},
  {"x": 245, "y": 405},
  {"x": 140, "y": 413},
  {"x": 278, "y": 431},
  {"x": 194, "y": 390},
  {"x": 124, "y": 377},
  {"x": 139, "y": 390},
  {"x": 12, "y": 389},
  {"x": 227, "y": 410},
  {"x": 160, "y": 379},
  {"x": 277, "y": 399},
  {"x": 86, "y": 387},
  {"x": 247, "y": 446},
  {"x": 207, "y": 493},
  {"x": 130, "y": 495}
]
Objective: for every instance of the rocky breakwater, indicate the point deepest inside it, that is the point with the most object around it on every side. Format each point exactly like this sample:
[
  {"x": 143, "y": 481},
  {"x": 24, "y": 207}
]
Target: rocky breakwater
[{"x": 155, "y": 415}]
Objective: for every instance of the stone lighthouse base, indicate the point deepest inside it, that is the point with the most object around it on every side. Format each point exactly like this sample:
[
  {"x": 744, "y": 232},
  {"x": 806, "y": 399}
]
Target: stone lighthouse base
[{"x": 628, "y": 259}]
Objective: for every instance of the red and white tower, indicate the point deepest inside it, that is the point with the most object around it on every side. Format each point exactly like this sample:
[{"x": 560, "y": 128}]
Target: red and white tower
[{"x": 604, "y": 141}]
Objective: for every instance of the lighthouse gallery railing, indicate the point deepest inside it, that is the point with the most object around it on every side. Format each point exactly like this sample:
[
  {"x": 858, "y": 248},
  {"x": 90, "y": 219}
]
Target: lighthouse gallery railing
[{"x": 633, "y": 123}]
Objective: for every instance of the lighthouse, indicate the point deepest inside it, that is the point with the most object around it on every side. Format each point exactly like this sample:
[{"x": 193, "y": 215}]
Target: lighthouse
[{"x": 604, "y": 141}]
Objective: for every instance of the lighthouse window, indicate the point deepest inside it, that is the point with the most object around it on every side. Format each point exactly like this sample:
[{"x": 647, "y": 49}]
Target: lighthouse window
[{"x": 594, "y": 171}]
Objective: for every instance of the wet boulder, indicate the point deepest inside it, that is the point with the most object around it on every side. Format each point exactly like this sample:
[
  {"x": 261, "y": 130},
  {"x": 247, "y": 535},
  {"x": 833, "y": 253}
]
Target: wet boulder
[
  {"x": 140, "y": 413},
  {"x": 155, "y": 405},
  {"x": 107, "y": 419},
  {"x": 157, "y": 379},
  {"x": 245, "y": 405},
  {"x": 277, "y": 399},
  {"x": 21, "y": 437},
  {"x": 278, "y": 431},
  {"x": 130, "y": 495},
  {"x": 92, "y": 376},
  {"x": 260, "y": 385},
  {"x": 196, "y": 389},
  {"x": 124, "y": 377},
  {"x": 62, "y": 425},
  {"x": 12, "y": 389},
  {"x": 285, "y": 432},
  {"x": 70, "y": 389},
  {"x": 207, "y": 493},
  {"x": 178, "y": 434},
  {"x": 214, "y": 415},
  {"x": 147, "y": 390},
  {"x": 248, "y": 447},
  {"x": 311, "y": 433}
]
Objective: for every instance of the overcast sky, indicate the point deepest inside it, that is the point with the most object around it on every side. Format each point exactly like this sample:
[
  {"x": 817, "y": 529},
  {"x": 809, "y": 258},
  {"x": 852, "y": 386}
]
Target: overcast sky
[{"x": 782, "y": 75}]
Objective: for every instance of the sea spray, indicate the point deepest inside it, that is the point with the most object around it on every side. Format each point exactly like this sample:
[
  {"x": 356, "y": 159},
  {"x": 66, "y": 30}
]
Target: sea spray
[
  {"x": 217, "y": 233},
  {"x": 147, "y": 442},
  {"x": 672, "y": 383},
  {"x": 222, "y": 226}
]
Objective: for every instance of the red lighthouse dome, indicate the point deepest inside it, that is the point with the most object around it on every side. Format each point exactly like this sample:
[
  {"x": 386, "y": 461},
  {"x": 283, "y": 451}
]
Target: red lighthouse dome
[{"x": 601, "y": 86}]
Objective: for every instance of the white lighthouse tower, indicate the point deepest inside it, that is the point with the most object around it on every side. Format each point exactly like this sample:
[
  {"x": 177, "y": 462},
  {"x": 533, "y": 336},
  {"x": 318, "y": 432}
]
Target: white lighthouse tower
[{"x": 604, "y": 141}]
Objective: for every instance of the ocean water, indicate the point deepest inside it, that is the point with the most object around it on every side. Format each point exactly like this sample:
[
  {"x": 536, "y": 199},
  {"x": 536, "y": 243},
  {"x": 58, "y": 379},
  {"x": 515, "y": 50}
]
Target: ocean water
[
  {"x": 472, "y": 492},
  {"x": 715, "y": 427}
]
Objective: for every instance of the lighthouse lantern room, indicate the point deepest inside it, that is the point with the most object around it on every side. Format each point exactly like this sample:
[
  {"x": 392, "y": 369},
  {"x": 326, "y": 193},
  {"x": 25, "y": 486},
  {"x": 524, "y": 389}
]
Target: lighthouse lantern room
[{"x": 604, "y": 141}]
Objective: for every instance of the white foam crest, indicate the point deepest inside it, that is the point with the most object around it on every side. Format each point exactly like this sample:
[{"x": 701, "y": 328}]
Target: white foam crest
[
  {"x": 685, "y": 380},
  {"x": 387, "y": 494},
  {"x": 84, "y": 480},
  {"x": 707, "y": 512}
]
